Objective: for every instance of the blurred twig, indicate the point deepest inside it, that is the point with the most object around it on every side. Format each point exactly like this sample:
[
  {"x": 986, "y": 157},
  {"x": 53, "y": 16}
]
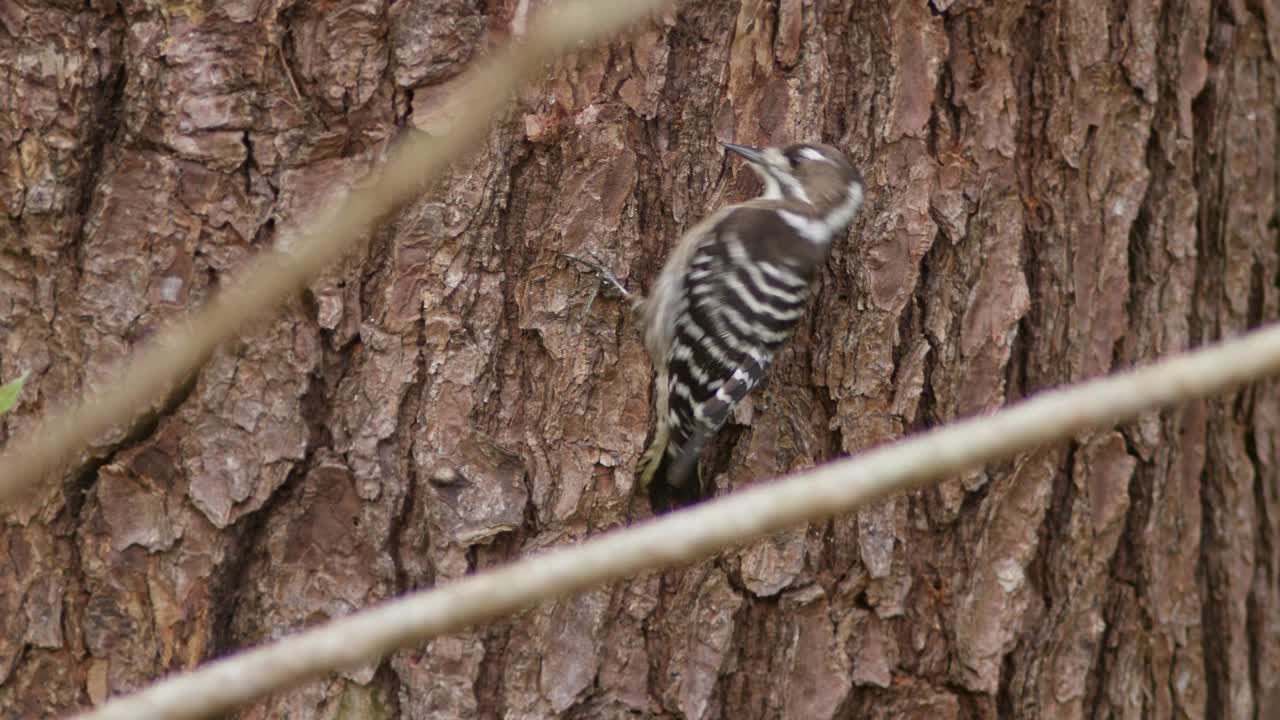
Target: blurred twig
[
  {"x": 703, "y": 530},
  {"x": 277, "y": 275}
]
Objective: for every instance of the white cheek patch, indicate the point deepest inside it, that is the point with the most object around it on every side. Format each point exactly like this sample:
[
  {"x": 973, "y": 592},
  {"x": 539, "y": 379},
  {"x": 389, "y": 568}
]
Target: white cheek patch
[
  {"x": 843, "y": 213},
  {"x": 815, "y": 231},
  {"x": 795, "y": 190},
  {"x": 771, "y": 189}
]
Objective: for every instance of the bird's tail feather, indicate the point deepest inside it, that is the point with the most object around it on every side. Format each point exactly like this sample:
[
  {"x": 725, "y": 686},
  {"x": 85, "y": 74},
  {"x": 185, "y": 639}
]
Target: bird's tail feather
[{"x": 672, "y": 479}]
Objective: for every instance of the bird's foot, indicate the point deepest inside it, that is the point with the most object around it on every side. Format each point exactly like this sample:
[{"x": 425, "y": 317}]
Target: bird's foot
[{"x": 606, "y": 276}]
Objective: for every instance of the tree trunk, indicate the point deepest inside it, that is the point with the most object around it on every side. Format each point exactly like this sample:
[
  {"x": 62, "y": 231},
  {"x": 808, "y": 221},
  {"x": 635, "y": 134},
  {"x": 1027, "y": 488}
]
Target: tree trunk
[{"x": 1056, "y": 191}]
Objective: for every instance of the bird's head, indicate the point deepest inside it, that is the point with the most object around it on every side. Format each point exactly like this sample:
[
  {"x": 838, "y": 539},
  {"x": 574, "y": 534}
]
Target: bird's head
[{"x": 814, "y": 174}]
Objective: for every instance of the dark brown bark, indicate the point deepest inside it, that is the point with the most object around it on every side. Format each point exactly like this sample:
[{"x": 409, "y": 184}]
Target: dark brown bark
[{"x": 1057, "y": 191}]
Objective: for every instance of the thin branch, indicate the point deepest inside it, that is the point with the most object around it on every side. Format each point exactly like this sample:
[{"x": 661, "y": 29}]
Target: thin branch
[
  {"x": 277, "y": 275},
  {"x": 702, "y": 531}
]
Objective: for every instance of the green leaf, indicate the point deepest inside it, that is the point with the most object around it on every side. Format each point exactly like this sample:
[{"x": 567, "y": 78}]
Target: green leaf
[{"x": 9, "y": 393}]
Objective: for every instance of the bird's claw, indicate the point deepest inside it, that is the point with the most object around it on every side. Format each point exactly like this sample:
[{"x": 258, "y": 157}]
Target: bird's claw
[{"x": 607, "y": 278}]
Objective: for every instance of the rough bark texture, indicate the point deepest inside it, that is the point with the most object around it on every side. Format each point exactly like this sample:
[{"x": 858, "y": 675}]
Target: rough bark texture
[{"x": 1057, "y": 190}]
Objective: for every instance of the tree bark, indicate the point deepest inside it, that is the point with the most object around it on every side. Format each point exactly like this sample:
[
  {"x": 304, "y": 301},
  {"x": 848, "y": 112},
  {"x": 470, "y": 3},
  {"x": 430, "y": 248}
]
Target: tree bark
[{"x": 1056, "y": 191}]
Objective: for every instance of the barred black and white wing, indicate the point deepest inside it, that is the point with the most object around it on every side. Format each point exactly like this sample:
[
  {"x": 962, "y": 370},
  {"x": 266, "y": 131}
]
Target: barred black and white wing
[{"x": 739, "y": 300}]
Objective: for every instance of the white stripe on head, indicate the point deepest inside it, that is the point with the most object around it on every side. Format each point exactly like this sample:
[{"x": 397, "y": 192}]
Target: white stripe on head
[{"x": 812, "y": 154}]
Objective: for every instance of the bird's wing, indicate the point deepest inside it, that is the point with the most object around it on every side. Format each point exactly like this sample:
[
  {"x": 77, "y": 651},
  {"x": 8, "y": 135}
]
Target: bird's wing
[{"x": 735, "y": 311}]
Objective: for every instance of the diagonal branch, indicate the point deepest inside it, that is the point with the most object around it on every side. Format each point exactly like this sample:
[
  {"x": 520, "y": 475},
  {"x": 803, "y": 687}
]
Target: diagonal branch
[
  {"x": 703, "y": 530},
  {"x": 277, "y": 275}
]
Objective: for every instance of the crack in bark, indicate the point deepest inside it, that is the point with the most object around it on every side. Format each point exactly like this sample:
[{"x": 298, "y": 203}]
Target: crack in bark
[
  {"x": 111, "y": 113},
  {"x": 1256, "y": 621}
]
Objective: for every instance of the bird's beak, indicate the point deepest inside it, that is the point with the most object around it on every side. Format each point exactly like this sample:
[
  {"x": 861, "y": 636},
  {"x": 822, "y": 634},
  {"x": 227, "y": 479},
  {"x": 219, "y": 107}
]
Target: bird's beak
[{"x": 751, "y": 154}]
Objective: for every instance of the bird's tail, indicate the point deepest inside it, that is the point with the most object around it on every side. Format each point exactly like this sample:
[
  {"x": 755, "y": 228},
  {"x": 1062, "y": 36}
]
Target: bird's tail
[{"x": 671, "y": 476}]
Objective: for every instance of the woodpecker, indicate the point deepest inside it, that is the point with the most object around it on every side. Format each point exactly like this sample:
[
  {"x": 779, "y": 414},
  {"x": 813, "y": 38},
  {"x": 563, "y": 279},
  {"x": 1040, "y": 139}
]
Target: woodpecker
[{"x": 729, "y": 295}]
